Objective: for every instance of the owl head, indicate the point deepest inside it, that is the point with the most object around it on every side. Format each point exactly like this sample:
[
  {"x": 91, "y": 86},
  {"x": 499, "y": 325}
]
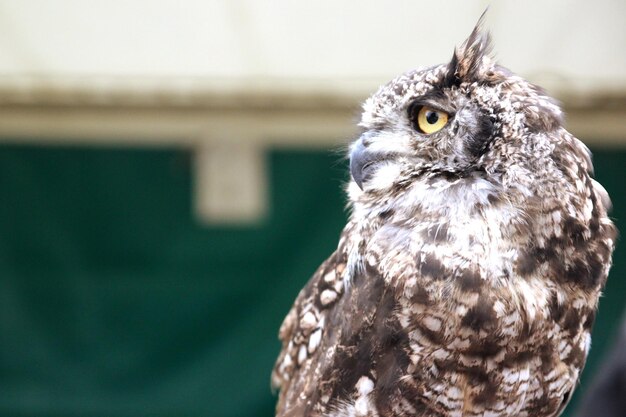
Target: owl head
[{"x": 468, "y": 117}]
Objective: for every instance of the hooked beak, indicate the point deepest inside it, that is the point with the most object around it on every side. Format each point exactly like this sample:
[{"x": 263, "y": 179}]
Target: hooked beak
[{"x": 362, "y": 161}]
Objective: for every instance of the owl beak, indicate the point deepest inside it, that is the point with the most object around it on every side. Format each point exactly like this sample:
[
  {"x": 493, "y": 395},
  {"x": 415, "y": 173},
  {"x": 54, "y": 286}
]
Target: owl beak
[{"x": 362, "y": 162}]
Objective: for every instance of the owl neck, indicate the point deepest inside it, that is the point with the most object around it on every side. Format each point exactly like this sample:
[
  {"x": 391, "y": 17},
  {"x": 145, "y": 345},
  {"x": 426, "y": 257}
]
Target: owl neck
[
  {"x": 424, "y": 198},
  {"x": 470, "y": 213}
]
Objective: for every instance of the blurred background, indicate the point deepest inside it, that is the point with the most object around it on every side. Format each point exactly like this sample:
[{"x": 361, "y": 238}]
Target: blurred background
[{"x": 171, "y": 175}]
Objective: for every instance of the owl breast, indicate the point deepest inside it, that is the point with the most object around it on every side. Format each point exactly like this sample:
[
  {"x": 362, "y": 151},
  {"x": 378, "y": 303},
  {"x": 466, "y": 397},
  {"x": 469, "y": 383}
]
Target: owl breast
[{"x": 481, "y": 337}]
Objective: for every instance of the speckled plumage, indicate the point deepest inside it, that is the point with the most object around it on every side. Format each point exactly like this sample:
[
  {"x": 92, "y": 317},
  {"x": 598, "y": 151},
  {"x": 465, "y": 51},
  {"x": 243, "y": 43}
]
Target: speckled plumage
[{"x": 467, "y": 278}]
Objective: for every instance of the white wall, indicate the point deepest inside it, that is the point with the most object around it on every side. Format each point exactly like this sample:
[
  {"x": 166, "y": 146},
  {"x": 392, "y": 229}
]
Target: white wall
[{"x": 570, "y": 45}]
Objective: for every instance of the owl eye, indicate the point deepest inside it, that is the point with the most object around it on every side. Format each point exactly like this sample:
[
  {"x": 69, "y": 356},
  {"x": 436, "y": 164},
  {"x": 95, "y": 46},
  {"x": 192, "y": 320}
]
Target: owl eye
[{"x": 430, "y": 120}]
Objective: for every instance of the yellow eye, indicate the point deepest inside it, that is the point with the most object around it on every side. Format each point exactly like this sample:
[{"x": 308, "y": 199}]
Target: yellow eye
[{"x": 430, "y": 120}]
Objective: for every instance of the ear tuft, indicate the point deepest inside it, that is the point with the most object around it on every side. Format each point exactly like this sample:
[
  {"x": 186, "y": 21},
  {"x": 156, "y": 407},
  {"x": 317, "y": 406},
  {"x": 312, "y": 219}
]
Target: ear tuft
[{"x": 469, "y": 61}]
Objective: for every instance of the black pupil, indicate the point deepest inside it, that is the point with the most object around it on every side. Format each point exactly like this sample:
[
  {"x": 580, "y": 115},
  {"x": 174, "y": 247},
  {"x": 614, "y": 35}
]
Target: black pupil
[{"x": 432, "y": 117}]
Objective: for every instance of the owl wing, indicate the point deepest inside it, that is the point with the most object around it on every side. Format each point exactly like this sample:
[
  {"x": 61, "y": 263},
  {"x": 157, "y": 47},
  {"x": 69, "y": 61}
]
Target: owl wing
[
  {"x": 336, "y": 340},
  {"x": 302, "y": 331}
]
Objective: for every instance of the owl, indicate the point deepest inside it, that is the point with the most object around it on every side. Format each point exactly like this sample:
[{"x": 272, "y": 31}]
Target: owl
[{"x": 467, "y": 278}]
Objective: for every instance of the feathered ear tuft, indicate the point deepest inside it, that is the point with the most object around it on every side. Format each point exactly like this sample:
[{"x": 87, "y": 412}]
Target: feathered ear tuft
[{"x": 470, "y": 59}]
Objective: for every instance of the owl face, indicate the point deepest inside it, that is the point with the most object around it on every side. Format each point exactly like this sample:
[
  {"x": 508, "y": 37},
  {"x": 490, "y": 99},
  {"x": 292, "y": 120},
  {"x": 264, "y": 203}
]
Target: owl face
[{"x": 451, "y": 119}]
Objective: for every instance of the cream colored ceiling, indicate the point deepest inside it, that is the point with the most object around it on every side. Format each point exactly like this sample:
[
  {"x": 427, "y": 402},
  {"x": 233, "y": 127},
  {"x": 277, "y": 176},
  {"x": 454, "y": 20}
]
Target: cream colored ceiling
[{"x": 569, "y": 45}]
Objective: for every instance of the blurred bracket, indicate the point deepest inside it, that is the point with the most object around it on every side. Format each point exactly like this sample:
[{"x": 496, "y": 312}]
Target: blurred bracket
[{"x": 230, "y": 183}]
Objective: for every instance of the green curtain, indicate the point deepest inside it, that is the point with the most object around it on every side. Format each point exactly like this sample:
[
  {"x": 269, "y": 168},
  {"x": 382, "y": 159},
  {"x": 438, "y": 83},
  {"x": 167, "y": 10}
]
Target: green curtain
[{"x": 115, "y": 301}]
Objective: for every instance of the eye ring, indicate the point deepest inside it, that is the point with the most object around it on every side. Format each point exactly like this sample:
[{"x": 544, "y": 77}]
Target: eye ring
[{"x": 429, "y": 120}]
